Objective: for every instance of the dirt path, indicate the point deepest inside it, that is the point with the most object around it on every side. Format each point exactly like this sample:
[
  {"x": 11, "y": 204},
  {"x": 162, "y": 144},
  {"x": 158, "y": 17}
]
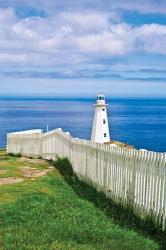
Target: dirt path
[
  {"x": 25, "y": 172},
  {"x": 10, "y": 180},
  {"x": 29, "y": 172}
]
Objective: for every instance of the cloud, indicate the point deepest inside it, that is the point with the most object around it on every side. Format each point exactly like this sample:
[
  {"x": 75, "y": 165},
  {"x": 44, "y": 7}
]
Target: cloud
[
  {"x": 60, "y": 74},
  {"x": 147, "y": 79},
  {"x": 14, "y": 58},
  {"x": 76, "y": 36},
  {"x": 150, "y": 70},
  {"x": 77, "y": 44},
  {"x": 82, "y": 39},
  {"x": 148, "y": 6},
  {"x": 151, "y": 38},
  {"x": 142, "y": 6}
]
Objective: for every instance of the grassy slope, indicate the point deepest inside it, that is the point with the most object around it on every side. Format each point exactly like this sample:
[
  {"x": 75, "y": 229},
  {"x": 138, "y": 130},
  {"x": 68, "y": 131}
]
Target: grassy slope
[{"x": 48, "y": 214}]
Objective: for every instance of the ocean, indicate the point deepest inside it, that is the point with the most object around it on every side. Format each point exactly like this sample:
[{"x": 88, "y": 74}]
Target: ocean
[{"x": 139, "y": 121}]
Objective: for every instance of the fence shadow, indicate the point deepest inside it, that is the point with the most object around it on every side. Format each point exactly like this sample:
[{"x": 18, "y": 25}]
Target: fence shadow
[{"x": 124, "y": 217}]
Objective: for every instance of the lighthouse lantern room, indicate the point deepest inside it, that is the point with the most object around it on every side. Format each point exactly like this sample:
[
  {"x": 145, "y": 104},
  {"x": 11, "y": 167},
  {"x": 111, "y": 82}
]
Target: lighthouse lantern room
[{"x": 100, "y": 129}]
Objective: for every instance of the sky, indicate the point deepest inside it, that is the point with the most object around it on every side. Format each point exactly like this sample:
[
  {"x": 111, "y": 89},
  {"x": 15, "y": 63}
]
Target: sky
[{"x": 82, "y": 47}]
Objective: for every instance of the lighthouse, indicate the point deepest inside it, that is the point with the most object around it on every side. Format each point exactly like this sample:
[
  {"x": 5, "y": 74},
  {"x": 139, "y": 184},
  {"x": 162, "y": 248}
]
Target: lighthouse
[{"x": 100, "y": 129}]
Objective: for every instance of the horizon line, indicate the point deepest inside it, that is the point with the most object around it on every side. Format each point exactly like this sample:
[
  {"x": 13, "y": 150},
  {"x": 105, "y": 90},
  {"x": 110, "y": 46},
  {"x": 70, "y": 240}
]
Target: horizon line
[{"x": 76, "y": 96}]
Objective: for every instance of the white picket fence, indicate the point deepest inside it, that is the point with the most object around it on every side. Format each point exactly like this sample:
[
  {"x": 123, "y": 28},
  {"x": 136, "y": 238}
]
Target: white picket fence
[{"x": 130, "y": 177}]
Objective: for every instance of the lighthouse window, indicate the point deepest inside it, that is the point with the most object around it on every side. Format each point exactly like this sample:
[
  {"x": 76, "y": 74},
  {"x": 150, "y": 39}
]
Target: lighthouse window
[
  {"x": 104, "y": 121},
  {"x": 101, "y": 98},
  {"x": 105, "y": 135},
  {"x": 103, "y": 109}
]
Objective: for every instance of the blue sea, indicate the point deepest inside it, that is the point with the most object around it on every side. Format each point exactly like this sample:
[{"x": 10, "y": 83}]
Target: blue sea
[{"x": 140, "y": 122}]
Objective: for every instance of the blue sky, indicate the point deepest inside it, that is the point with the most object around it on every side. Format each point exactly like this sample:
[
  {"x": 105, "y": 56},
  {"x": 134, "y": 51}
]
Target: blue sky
[{"x": 83, "y": 47}]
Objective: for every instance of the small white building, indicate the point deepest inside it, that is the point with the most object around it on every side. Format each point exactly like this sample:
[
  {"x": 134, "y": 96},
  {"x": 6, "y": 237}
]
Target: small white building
[{"x": 100, "y": 129}]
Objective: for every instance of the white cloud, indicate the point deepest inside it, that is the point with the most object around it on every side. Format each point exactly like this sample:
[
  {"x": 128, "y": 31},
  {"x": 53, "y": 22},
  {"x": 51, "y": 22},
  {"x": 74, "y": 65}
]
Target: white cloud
[
  {"x": 14, "y": 58},
  {"x": 151, "y": 38},
  {"x": 105, "y": 43},
  {"x": 143, "y": 6},
  {"x": 73, "y": 37},
  {"x": 92, "y": 21}
]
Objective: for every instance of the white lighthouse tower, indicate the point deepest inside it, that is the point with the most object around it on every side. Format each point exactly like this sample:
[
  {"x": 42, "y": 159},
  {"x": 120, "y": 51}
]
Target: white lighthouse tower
[{"x": 100, "y": 130}]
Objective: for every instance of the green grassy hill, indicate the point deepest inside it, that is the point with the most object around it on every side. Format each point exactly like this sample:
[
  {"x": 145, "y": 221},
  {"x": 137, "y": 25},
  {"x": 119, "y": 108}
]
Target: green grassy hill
[{"x": 43, "y": 211}]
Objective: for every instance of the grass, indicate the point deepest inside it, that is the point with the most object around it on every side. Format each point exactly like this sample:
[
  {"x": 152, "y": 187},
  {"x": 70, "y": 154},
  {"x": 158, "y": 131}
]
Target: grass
[{"x": 58, "y": 212}]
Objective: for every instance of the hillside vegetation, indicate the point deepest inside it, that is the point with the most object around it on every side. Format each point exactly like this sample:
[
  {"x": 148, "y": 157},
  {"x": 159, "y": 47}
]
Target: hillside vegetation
[{"x": 40, "y": 210}]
